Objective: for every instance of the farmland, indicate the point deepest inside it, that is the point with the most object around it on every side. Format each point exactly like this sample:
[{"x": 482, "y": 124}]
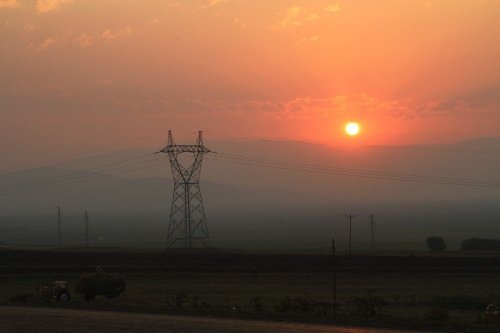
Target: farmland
[{"x": 404, "y": 291}]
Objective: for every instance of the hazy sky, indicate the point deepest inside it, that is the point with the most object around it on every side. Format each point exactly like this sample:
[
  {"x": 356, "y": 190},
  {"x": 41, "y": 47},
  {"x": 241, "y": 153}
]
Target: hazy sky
[{"x": 89, "y": 75}]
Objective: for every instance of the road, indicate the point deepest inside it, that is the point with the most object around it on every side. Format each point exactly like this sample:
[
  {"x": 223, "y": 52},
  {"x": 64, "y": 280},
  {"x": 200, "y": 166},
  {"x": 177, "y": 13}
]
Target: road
[{"x": 46, "y": 320}]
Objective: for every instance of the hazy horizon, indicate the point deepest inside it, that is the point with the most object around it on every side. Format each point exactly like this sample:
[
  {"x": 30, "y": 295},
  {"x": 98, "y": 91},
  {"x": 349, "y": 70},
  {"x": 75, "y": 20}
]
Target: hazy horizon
[{"x": 253, "y": 206}]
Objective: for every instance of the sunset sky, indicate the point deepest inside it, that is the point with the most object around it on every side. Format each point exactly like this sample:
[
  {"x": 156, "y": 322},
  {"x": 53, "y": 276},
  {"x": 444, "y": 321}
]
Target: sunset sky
[{"x": 89, "y": 76}]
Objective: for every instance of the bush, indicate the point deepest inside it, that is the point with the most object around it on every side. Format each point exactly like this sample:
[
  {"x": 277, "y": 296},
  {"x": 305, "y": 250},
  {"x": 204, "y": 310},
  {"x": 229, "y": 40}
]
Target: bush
[
  {"x": 492, "y": 314},
  {"x": 464, "y": 302},
  {"x": 436, "y": 244},
  {"x": 480, "y": 244},
  {"x": 438, "y": 314},
  {"x": 256, "y": 303},
  {"x": 100, "y": 284},
  {"x": 369, "y": 306},
  {"x": 22, "y": 298}
]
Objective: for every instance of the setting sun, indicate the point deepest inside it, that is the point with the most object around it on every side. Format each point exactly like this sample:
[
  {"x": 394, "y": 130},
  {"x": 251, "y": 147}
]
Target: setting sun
[{"x": 352, "y": 129}]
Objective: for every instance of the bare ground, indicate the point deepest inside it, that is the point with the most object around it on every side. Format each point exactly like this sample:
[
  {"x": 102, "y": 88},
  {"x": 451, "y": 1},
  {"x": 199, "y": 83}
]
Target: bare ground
[{"x": 50, "y": 320}]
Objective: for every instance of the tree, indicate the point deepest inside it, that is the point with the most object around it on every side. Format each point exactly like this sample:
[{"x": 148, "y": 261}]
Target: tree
[{"x": 436, "y": 244}]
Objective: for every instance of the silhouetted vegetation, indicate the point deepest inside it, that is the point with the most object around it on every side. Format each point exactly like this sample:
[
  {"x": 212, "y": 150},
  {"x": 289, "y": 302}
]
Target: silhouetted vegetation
[
  {"x": 100, "y": 284},
  {"x": 370, "y": 305},
  {"x": 436, "y": 244},
  {"x": 480, "y": 244},
  {"x": 422, "y": 292},
  {"x": 438, "y": 314}
]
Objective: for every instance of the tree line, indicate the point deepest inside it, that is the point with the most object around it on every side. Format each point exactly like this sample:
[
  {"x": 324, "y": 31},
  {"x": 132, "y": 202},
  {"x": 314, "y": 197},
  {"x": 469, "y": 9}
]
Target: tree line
[{"x": 438, "y": 244}]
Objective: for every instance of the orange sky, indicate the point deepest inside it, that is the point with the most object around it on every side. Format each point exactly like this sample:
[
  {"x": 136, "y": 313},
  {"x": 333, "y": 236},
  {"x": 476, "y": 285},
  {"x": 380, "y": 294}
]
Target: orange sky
[{"x": 85, "y": 76}]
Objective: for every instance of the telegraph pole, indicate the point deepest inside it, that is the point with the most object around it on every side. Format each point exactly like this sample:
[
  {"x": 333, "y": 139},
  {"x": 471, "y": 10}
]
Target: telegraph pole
[
  {"x": 372, "y": 232},
  {"x": 86, "y": 215},
  {"x": 350, "y": 217},
  {"x": 334, "y": 278},
  {"x": 59, "y": 232}
]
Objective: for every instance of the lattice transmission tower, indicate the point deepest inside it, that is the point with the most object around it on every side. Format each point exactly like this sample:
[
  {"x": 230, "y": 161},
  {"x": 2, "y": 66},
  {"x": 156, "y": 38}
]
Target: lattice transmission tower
[{"x": 188, "y": 223}]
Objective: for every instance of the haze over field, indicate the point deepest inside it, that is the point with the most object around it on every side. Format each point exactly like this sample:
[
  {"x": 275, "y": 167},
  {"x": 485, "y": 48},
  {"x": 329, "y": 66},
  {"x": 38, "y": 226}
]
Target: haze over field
[{"x": 258, "y": 206}]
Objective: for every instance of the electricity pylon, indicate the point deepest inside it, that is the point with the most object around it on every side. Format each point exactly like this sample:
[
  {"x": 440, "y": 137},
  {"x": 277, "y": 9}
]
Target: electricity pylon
[{"x": 187, "y": 216}]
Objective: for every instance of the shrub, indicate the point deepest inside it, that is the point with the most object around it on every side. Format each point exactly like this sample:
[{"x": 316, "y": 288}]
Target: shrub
[
  {"x": 465, "y": 302},
  {"x": 100, "y": 284},
  {"x": 369, "y": 306},
  {"x": 283, "y": 304},
  {"x": 22, "y": 298},
  {"x": 256, "y": 303},
  {"x": 438, "y": 314},
  {"x": 492, "y": 314},
  {"x": 436, "y": 244},
  {"x": 179, "y": 299}
]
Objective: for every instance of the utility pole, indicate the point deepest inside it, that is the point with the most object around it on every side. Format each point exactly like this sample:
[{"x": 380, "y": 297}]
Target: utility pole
[
  {"x": 334, "y": 278},
  {"x": 86, "y": 214},
  {"x": 59, "y": 232},
  {"x": 350, "y": 217},
  {"x": 372, "y": 232}
]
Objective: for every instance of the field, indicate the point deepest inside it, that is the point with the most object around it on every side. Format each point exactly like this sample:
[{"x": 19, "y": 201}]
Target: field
[{"x": 416, "y": 291}]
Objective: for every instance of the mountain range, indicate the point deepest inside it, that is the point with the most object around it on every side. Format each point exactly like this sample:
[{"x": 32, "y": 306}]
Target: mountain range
[{"x": 265, "y": 190}]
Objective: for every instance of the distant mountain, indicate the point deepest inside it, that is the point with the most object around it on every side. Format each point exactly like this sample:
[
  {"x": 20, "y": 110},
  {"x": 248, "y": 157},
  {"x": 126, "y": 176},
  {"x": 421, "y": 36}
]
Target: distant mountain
[
  {"x": 40, "y": 190},
  {"x": 481, "y": 143},
  {"x": 255, "y": 175},
  {"x": 251, "y": 198}
]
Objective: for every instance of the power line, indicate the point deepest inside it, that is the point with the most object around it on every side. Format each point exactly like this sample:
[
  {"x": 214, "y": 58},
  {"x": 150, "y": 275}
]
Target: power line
[
  {"x": 100, "y": 168},
  {"x": 62, "y": 161},
  {"x": 82, "y": 178},
  {"x": 359, "y": 173},
  {"x": 144, "y": 161},
  {"x": 326, "y": 167}
]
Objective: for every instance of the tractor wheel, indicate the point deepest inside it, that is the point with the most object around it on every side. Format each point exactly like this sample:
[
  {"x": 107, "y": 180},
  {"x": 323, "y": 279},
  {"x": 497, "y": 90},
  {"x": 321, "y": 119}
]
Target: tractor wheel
[{"x": 64, "y": 296}]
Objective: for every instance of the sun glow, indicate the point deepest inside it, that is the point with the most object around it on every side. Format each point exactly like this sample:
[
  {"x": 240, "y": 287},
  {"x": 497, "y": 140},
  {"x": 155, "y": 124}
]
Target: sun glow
[{"x": 352, "y": 129}]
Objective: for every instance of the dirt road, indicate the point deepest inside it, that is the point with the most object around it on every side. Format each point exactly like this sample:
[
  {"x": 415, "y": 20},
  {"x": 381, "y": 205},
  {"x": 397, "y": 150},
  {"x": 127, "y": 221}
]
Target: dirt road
[{"x": 41, "y": 320}]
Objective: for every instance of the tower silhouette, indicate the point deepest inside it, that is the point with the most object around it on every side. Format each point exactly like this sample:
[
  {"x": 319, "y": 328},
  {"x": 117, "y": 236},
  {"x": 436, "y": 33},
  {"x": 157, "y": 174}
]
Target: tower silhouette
[{"x": 187, "y": 222}]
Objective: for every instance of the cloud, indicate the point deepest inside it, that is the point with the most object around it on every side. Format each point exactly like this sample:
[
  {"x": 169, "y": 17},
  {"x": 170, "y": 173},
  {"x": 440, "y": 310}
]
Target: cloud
[
  {"x": 83, "y": 40},
  {"x": 238, "y": 23},
  {"x": 46, "y": 43},
  {"x": 356, "y": 106},
  {"x": 45, "y": 6},
  {"x": 112, "y": 34},
  {"x": 211, "y": 3},
  {"x": 299, "y": 15},
  {"x": 334, "y": 8},
  {"x": 9, "y": 3},
  {"x": 296, "y": 16},
  {"x": 310, "y": 39},
  {"x": 29, "y": 27}
]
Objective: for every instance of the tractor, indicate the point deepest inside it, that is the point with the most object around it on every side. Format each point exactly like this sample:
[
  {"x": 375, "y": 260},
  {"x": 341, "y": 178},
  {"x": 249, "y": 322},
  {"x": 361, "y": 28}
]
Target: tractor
[{"x": 54, "y": 290}]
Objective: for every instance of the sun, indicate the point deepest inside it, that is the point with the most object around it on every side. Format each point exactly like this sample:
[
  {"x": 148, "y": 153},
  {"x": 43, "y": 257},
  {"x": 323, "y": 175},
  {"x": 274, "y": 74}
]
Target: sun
[{"x": 352, "y": 129}]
